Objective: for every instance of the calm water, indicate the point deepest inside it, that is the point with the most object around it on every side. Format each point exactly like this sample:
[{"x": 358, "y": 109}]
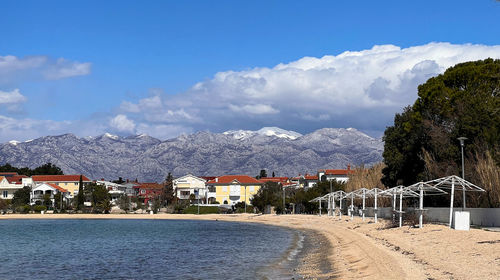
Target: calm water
[{"x": 144, "y": 249}]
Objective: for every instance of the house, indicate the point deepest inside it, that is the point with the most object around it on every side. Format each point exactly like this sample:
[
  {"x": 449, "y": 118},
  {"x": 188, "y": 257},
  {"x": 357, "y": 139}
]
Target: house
[
  {"x": 188, "y": 185},
  {"x": 310, "y": 180},
  {"x": 115, "y": 190},
  {"x": 49, "y": 190},
  {"x": 148, "y": 191},
  {"x": 68, "y": 182},
  {"x": 12, "y": 183},
  {"x": 340, "y": 175},
  {"x": 231, "y": 189}
]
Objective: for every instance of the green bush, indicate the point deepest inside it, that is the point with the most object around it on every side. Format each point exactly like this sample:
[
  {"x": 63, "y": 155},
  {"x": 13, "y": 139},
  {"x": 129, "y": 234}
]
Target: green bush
[
  {"x": 193, "y": 209},
  {"x": 39, "y": 208},
  {"x": 23, "y": 209}
]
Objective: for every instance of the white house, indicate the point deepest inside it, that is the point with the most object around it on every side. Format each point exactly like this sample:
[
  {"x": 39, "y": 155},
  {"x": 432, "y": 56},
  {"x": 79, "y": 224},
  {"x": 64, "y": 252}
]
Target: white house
[
  {"x": 340, "y": 175},
  {"x": 114, "y": 189},
  {"x": 9, "y": 184},
  {"x": 39, "y": 192},
  {"x": 189, "y": 184}
]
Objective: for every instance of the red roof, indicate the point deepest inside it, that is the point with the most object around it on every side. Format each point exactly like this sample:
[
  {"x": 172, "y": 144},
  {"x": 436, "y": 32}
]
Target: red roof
[
  {"x": 227, "y": 179},
  {"x": 18, "y": 179},
  {"x": 149, "y": 186},
  {"x": 338, "y": 171},
  {"x": 282, "y": 180},
  {"x": 57, "y": 187},
  {"x": 59, "y": 178},
  {"x": 311, "y": 177},
  {"x": 8, "y": 174}
]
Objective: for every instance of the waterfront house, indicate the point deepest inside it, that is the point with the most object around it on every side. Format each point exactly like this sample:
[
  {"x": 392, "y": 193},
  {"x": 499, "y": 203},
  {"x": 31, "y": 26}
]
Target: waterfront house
[
  {"x": 310, "y": 180},
  {"x": 148, "y": 191},
  {"x": 231, "y": 189},
  {"x": 340, "y": 175},
  {"x": 12, "y": 183},
  {"x": 43, "y": 190},
  {"x": 188, "y": 185},
  {"x": 115, "y": 190},
  {"x": 68, "y": 182}
]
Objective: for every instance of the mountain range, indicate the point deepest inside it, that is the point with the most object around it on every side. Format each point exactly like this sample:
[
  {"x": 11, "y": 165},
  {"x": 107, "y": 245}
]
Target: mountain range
[{"x": 142, "y": 157}]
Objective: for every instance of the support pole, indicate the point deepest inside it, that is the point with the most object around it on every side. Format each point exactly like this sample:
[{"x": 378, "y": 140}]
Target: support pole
[
  {"x": 352, "y": 206},
  {"x": 329, "y": 205},
  {"x": 320, "y": 207},
  {"x": 333, "y": 206},
  {"x": 340, "y": 206},
  {"x": 394, "y": 198},
  {"x": 421, "y": 204},
  {"x": 401, "y": 207},
  {"x": 376, "y": 215},
  {"x": 364, "y": 196},
  {"x": 451, "y": 200}
]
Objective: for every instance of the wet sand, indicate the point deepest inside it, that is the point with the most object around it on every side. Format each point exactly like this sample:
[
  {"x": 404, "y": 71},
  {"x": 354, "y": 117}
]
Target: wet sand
[{"x": 345, "y": 249}]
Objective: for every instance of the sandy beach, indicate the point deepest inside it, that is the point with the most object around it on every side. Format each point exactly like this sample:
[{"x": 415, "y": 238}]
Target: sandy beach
[{"x": 347, "y": 249}]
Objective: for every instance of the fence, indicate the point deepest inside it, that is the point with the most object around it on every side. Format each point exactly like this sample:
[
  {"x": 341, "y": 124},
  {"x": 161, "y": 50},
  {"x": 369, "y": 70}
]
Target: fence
[{"x": 486, "y": 217}]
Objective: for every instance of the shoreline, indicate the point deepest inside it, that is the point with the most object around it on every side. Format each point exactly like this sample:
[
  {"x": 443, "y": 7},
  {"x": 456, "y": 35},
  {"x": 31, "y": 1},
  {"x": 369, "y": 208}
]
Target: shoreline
[{"x": 356, "y": 249}]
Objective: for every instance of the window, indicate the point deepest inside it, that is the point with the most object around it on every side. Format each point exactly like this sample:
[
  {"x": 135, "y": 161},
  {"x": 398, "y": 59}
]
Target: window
[
  {"x": 224, "y": 189},
  {"x": 252, "y": 189},
  {"x": 5, "y": 194},
  {"x": 211, "y": 189},
  {"x": 185, "y": 192},
  {"x": 143, "y": 191}
]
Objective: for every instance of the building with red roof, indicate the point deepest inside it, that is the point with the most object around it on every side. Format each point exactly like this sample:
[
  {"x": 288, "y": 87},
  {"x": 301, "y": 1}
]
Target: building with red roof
[
  {"x": 148, "y": 191},
  {"x": 231, "y": 189},
  {"x": 69, "y": 182},
  {"x": 340, "y": 175},
  {"x": 41, "y": 192}
]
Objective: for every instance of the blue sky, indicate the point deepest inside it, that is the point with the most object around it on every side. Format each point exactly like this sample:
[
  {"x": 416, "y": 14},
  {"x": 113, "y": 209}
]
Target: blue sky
[{"x": 127, "y": 67}]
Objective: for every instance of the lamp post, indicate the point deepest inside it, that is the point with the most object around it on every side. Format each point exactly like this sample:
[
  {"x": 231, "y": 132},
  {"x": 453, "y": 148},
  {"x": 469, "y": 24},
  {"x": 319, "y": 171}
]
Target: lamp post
[
  {"x": 462, "y": 140},
  {"x": 245, "y": 199},
  {"x": 283, "y": 199}
]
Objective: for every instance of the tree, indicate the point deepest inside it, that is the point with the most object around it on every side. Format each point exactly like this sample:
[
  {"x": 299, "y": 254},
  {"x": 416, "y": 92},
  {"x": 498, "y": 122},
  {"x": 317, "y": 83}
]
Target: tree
[
  {"x": 273, "y": 174},
  {"x": 463, "y": 101},
  {"x": 46, "y": 169},
  {"x": 119, "y": 181},
  {"x": 99, "y": 198},
  {"x": 124, "y": 203},
  {"x": 262, "y": 174},
  {"x": 58, "y": 201},
  {"x": 270, "y": 194},
  {"x": 80, "y": 198},
  {"x": 21, "y": 196},
  {"x": 168, "y": 190}
]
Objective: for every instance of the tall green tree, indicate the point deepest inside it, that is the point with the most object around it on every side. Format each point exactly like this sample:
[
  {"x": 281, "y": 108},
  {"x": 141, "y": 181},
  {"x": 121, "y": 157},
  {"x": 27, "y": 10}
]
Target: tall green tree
[
  {"x": 168, "y": 190},
  {"x": 463, "y": 101},
  {"x": 21, "y": 196},
  {"x": 80, "y": 198}
]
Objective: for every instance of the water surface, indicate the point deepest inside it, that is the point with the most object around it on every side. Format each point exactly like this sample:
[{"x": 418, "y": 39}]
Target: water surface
[{"x": 144, "y": 249}]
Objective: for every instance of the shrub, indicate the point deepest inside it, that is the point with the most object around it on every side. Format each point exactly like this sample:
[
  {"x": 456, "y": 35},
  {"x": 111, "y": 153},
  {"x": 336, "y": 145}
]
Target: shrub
[
  {"x": 39, "y": 208},
  {"x": 23, "y": 209}
]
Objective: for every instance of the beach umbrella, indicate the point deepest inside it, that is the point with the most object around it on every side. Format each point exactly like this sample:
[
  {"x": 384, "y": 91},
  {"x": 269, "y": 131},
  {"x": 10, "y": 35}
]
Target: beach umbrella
[
  {"x": 318, "y": 199},
  {"x": 362, "y": 192},
  {"x": 340, "y": 196},
  {"x": 424, "y": 189},
  {"x": 402, "y": 192},
  {"x": 392, "y": 192},
  {"x": 453, "y": 183},
  {"x": 374, "y": 192}
]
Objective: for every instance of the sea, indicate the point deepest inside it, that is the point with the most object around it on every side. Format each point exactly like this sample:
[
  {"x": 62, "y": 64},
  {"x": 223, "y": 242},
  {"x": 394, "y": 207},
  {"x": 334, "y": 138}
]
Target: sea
[{"x": 146, "y": 249}]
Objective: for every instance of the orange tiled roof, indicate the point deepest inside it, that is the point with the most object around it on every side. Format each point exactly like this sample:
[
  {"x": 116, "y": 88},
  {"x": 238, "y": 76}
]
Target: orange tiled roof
[
  {"x": 227, "y": 179},
  {"x": 338, "y": 171},
  {"x": 16, "y": 179},
  {"x": 149, "y": 186},
  {"x": 7, "y": 174},
  {"x": 57, "y": 187},
  {"x": 59, "y": 178},
  {"x": 311, "y": 177}
]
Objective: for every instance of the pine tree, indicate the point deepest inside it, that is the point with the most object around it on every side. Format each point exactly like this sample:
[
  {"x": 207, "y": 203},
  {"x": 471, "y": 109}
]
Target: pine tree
[
  {"x": 80, "y": 197},
  {"x": 168, "y": 191}
]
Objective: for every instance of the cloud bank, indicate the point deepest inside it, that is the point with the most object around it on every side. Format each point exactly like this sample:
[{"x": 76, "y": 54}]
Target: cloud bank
[{"x": 361, "y": 89}]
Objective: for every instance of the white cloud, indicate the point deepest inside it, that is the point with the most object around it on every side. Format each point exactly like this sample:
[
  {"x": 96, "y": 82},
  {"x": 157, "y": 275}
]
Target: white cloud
[
  {"x": 64, "y": 68},
  {"x": 122, "y": 124},
  {"x": 12, "y": 97},
  {"x": 13, "y": 68},
  {"x": 362, "y": 89}
]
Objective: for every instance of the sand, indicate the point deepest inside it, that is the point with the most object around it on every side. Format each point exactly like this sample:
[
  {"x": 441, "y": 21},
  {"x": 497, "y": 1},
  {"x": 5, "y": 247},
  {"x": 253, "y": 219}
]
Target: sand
[{"x": 347, "y": 249}]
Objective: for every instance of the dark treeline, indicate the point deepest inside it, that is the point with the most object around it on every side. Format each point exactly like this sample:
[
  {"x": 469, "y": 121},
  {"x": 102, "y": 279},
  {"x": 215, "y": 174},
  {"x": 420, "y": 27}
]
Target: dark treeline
[{"x": 46, "y": 169}]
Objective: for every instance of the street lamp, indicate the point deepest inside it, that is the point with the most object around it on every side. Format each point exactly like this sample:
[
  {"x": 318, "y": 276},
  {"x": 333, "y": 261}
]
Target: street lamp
[
  {"x": 462, "y": 140},
  {"x": 329, "y": 200},
  {"x": 283, "y": 199},
  {"x": 245, "y": 199}
]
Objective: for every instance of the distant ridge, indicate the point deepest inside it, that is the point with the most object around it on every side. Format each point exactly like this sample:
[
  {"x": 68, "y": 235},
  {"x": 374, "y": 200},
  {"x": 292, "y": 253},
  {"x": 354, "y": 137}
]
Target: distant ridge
[{"x": 146, "y": 158}]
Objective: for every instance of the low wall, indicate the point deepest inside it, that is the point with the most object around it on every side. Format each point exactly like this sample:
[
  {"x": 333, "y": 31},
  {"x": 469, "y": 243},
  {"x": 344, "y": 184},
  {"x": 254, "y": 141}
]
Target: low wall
[{"x": 486, "y": 217}]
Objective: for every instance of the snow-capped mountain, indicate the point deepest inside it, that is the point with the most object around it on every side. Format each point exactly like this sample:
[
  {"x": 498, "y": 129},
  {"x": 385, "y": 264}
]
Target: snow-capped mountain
[
  {"x": 265, "y": 131},
  {"x": 146, "y": 158}
]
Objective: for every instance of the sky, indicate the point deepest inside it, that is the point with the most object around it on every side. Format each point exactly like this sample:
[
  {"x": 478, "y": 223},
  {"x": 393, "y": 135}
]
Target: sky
[{"x": 165, "y": 68}]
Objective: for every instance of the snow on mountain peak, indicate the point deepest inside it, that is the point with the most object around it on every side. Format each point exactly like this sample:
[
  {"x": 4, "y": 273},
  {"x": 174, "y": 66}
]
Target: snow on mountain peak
[
  {"x": 14, "y": 142},
  {"x": 109, "y": 135},
  {"x": 265, "y": 131}
]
